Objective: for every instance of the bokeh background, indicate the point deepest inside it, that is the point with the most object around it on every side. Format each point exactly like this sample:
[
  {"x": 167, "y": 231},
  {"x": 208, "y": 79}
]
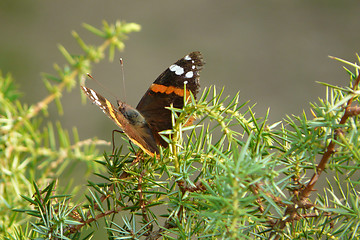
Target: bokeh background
[{"x": 273, "y": 52}]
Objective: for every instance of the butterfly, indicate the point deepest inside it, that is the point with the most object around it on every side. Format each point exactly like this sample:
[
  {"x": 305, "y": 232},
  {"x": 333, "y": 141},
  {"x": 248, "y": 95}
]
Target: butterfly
[{"x": 143, "y": 123}]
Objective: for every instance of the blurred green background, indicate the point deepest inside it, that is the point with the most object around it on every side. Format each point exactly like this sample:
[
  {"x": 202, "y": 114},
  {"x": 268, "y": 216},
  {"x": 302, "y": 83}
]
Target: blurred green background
[{"x": 270, "y": 51}]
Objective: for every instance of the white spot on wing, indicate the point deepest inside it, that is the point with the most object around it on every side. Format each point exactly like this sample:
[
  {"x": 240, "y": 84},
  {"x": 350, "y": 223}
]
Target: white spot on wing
[
  {"x": 93, "y": 93},
  {"x": 189, "y": 74},
  {"x": 177, "y": 69},
  {"x": 97, "y": 103},
  {"x": 187, "y": 57}
]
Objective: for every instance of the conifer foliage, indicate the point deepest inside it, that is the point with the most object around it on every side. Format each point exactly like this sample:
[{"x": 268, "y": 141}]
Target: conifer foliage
[{"x": 229, "y": 176}]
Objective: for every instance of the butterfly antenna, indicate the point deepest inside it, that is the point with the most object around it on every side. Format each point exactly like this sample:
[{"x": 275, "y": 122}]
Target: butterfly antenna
[
  {"x": 102, "y": 86},
  {"x": 123, "y": 77}
]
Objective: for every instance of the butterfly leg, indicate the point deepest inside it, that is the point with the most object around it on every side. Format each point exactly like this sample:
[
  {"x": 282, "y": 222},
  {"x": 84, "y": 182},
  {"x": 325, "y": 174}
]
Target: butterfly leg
[{"x": 131, "y": 145}]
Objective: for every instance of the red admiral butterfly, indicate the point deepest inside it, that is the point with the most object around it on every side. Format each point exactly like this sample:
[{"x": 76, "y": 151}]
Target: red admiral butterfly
[{"x": 143, "y": 124}]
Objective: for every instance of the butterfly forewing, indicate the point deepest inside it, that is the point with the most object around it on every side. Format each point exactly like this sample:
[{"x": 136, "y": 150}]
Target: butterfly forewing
[
  {"x": 142, "y": 124},
  {"x": 141, "y": 135},
  {"x": 168, "y": 89}
]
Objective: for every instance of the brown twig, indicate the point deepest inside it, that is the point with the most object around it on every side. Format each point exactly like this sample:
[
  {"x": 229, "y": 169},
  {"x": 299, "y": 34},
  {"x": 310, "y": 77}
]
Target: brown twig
[
  {"x": 349, "y": 111},
  {"x": 301, "y": 198},
  {"x": 77, "y": 217},
  {"x": 76, "y": 228},
  {"x": 256, "y": 189}
]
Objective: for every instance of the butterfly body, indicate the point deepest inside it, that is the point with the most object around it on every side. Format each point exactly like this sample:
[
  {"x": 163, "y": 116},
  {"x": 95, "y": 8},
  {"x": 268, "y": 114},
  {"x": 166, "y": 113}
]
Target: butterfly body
[{"x": 143, "y": 123}]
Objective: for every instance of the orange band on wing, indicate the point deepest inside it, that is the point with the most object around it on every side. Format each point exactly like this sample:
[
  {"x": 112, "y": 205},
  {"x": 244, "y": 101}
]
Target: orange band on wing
[
  {"x": 168, "y": 90},
  {"x": 112, "y": 114},
  {"x": 110, "y": 107}
]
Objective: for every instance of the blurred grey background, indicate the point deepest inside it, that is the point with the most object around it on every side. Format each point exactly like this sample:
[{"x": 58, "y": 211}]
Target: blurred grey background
[{"x": 270, "y": 51}]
